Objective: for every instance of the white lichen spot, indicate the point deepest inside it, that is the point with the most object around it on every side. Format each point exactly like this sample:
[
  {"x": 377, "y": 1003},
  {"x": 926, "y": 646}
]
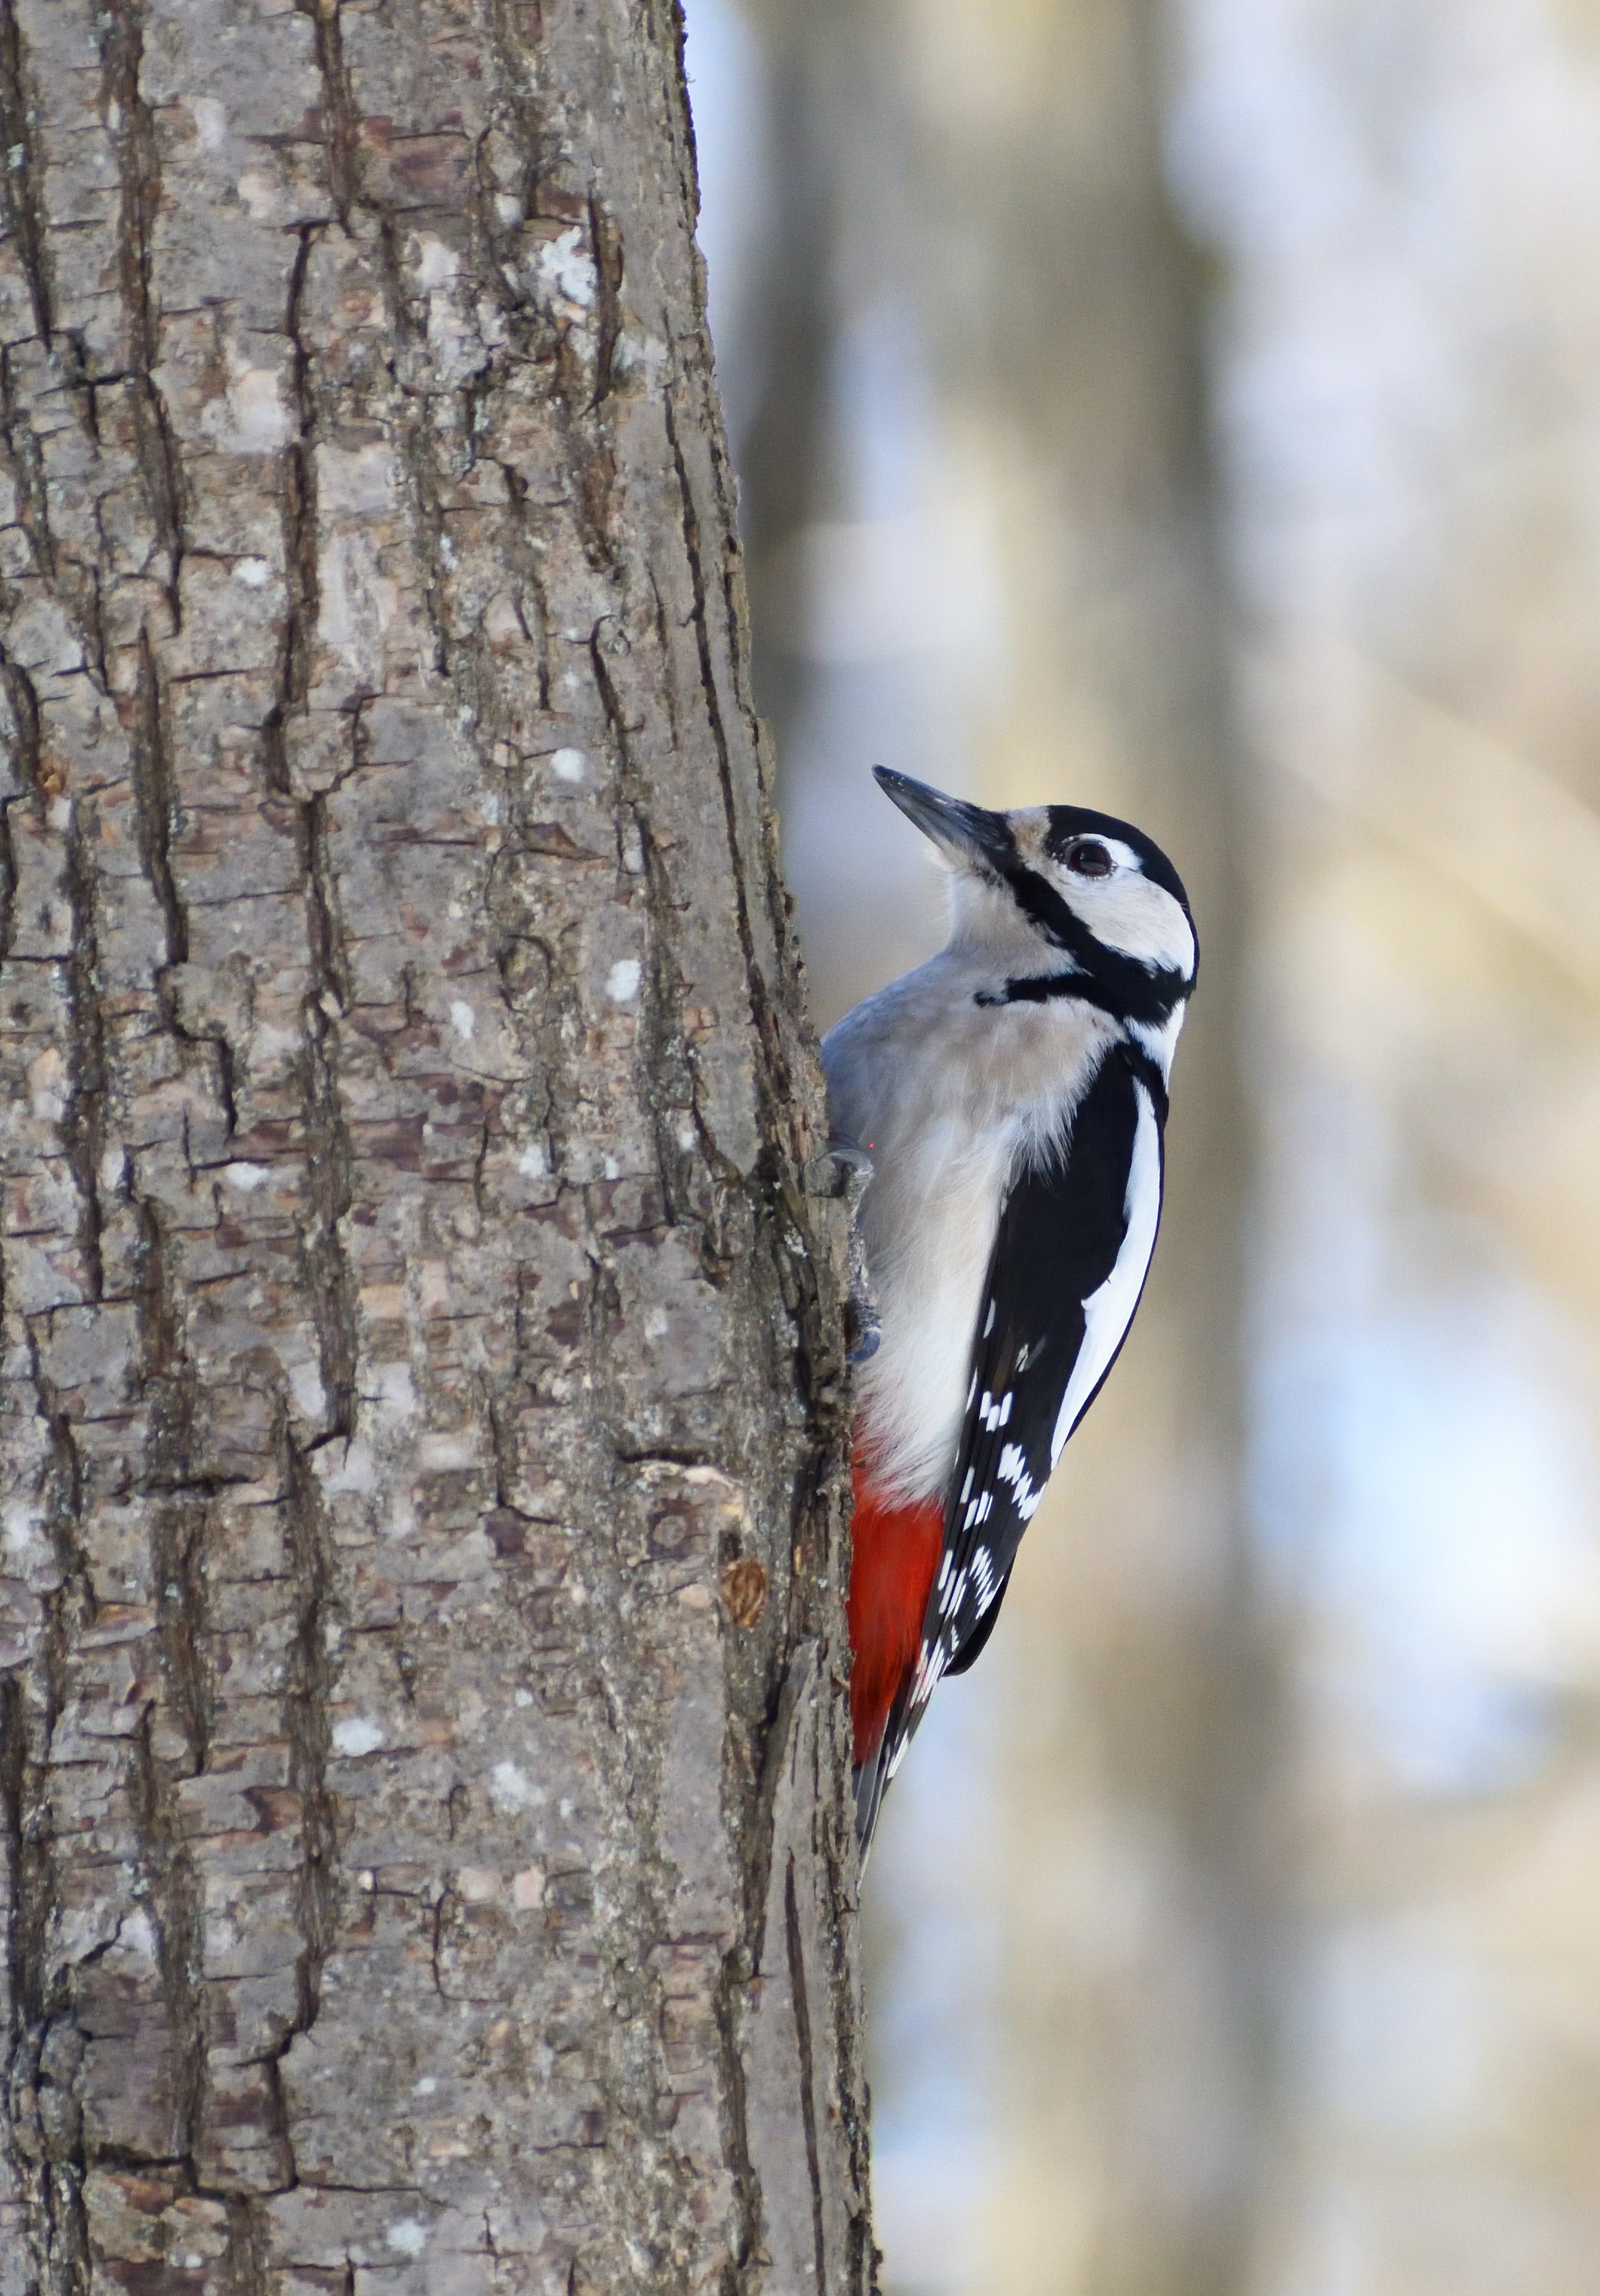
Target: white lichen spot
[
  {"x": 362, "y": 479},
  {"x": 396, "y": 1396},
  {"x": 480, "y": 1885},
  {"x": 640, "y": 354},
  {"x": 443, "y": 1455},
  {"x": 522, "y": 1698},
  {"x": 685, "y": 1136},
  {"x": 409, "y": 2236},
  {"x": 488, "y": 807},
  {"x": 565, "y": 271},
  {"x": 609, "y": 1169},
  {"x": 533, "y": 1163},
  {"x": 257, "y": 189},
  {"x": 247, "y": 1177},
  {"x": 568, "y": 764},
  {"x": 253, "y": 572},
  {"x": 425, "y": 2086},
  {"x": 47, "y": 1087},
  {"x": 135, "y": 1934},
  {"x": 528, "y": 1888},
  {"x": 20, "y": 1520},
  {"x": 261, "y": 418},
  {"x": 512, "y": 1789},
  {"x": 622, "y": 981},
  {"x": 358, "y": 1734},
  {"x": 436, "y": 264},
  {"x": 305, "y": 1386},
  {"x": 210, "y": 120},
  {"x": 508, "y": 208},
  {"x": 353, "y": 1470},
  {"x": 463, "y": 1018}
]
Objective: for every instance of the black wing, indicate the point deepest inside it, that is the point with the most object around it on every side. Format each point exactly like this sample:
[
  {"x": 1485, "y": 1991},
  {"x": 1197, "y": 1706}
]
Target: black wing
[{"x": 1078, "y": 1222}]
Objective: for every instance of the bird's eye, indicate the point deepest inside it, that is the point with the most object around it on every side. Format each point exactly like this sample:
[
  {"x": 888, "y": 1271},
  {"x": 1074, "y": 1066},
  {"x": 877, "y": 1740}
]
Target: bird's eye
[{"x": 1088, "y": 858}]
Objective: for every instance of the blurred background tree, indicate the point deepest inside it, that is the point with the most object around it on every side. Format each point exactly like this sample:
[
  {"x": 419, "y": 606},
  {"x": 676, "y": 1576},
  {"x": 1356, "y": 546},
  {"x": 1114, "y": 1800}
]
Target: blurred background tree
[{"x": 1195, "y": 410}]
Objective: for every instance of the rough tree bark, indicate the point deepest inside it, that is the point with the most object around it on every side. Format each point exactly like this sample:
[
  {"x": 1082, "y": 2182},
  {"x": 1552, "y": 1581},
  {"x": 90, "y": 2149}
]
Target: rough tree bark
[{"x": 426, "y": 1852}]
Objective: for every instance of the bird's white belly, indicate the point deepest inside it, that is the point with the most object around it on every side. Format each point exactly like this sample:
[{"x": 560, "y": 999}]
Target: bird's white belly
[{"x": 929, "y": 1235}]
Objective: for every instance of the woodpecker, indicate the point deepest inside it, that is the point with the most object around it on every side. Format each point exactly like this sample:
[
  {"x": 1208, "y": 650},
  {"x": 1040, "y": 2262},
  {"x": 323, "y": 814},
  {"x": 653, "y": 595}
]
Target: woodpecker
[{"x": 1007, "y": 1100}]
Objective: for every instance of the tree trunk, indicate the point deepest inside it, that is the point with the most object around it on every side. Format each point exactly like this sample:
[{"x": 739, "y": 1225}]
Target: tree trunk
[{"x": 426, "y": 1839}]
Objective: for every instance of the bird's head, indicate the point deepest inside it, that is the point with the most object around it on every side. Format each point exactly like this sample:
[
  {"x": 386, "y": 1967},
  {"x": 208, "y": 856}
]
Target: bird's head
[{"x": 1059, "y": 889}]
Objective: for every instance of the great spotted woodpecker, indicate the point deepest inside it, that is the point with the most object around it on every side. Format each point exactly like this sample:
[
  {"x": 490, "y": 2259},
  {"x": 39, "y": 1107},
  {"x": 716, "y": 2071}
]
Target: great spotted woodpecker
[{"x": 1009, "y": 1099}]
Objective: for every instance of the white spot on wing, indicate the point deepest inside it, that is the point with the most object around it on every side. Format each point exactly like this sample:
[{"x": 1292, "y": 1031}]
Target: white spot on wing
[
  {"x": 1014, "y": 1469},
  {"x": 1108, "y": 1312}
]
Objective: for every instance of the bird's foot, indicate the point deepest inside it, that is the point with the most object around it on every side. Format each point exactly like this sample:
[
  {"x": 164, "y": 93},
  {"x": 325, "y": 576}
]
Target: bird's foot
[{"x": 845, "y": 1177}]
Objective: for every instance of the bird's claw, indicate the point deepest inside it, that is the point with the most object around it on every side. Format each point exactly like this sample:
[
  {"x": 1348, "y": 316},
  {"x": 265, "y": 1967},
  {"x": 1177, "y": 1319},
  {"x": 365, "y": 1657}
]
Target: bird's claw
[{"x": 851, "y": 1167}]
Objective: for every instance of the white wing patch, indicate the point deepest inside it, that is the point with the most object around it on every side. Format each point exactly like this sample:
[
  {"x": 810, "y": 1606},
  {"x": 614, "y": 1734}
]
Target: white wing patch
[{"x": 1108, "y": 1311}]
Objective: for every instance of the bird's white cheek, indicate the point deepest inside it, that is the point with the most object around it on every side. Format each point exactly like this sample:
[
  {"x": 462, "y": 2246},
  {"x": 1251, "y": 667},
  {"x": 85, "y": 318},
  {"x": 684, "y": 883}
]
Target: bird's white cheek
[{"x": 1140, "y": 920}]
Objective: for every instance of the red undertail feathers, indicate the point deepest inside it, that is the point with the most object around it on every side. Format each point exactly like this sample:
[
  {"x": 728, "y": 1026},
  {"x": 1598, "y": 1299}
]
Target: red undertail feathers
[{"x": 895, "y": 1554}]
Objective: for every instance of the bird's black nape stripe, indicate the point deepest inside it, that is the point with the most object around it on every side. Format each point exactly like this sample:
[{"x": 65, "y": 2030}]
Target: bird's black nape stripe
[
  {"x": 1127, "y": 988},
  {"x": 1121, "y": 985}
]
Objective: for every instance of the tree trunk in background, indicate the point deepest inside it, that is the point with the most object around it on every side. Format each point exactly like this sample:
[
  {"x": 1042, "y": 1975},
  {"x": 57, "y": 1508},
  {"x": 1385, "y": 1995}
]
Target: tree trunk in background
[
  {"x": 1067, "y": 316},
  {"x": 427, "y": 1848},
  {"x": 783, "y": 458}
]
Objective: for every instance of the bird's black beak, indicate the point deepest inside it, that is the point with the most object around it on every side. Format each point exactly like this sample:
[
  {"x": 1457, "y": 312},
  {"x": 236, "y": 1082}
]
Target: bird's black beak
[{"x": 969, "y": 835}]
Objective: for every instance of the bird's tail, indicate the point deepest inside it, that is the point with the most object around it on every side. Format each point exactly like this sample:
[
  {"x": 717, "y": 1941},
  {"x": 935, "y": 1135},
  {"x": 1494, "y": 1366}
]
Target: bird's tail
[{"x": 868, "y": 1780}]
